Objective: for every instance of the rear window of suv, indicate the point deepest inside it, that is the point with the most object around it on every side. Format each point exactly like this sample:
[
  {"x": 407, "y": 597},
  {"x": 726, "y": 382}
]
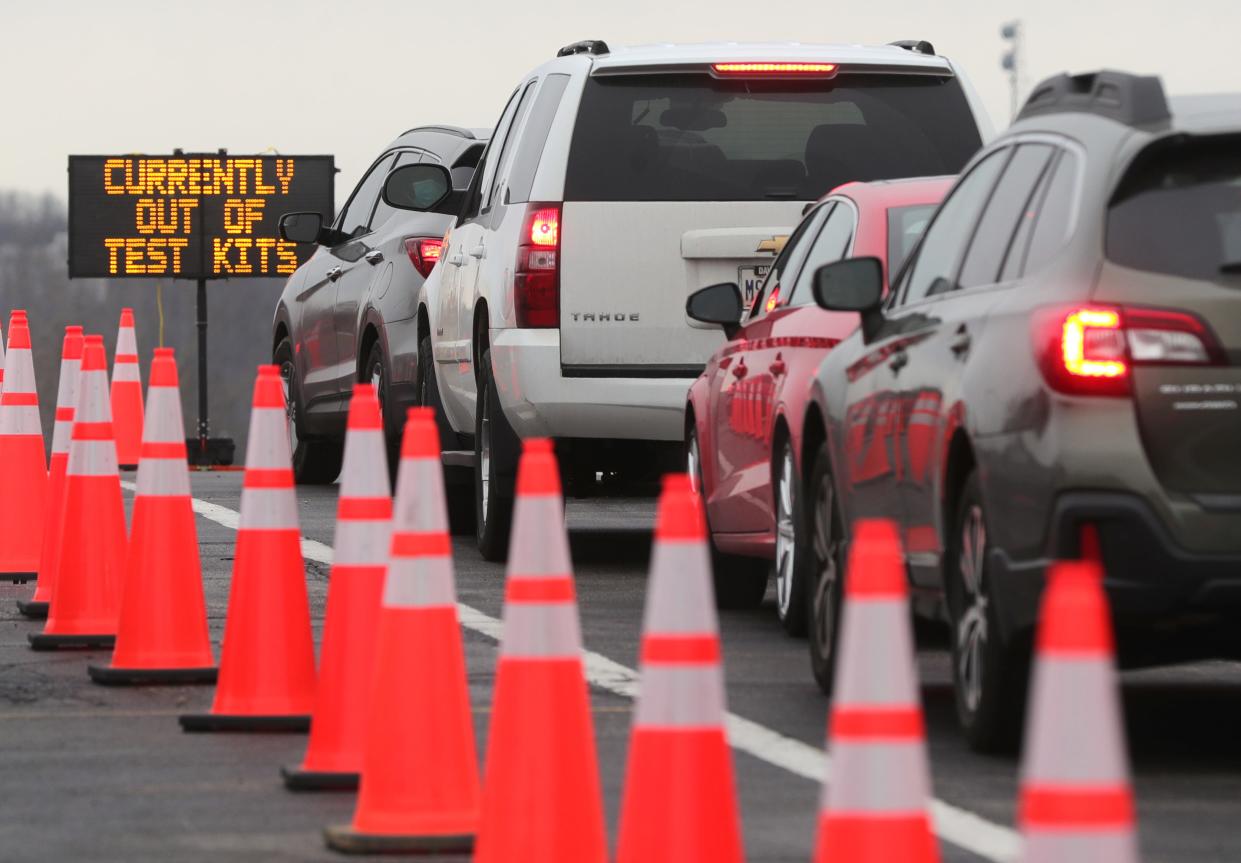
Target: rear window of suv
[
  {"x": 1178, "y": 210},
  {"x": 691, "y": 137}
]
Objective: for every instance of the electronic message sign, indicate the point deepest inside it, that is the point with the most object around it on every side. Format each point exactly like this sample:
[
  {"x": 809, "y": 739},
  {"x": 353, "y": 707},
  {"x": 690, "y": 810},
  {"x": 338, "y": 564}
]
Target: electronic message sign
[{"x": 191, "y": 216}]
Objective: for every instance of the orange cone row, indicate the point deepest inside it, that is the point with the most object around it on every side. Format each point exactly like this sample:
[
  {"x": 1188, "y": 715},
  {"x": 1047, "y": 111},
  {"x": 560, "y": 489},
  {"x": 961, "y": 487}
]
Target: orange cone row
[{"x": 389, "y": 710}]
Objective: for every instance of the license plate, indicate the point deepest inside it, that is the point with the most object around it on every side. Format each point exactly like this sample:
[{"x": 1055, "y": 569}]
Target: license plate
[{"x": 750, "y": 279}]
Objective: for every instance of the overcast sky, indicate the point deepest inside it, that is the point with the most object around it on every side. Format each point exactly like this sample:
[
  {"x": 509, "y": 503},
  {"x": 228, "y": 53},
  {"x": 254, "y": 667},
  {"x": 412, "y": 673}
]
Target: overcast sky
[{"x": 306, "y": 76}]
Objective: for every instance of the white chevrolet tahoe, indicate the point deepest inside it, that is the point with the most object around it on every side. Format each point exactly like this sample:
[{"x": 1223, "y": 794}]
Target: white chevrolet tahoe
[{"x": 616, "y": 183}]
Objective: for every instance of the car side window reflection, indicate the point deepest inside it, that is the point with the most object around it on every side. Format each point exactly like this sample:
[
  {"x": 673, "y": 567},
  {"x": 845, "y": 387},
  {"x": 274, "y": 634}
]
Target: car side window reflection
[
  {"x": 830, "y": 244},
  {"x": 933, "y": 271},
  {"x": 785, "y": 265},
  {"x": 486, "y": 169},
  {"x": 356, "y": 217}
]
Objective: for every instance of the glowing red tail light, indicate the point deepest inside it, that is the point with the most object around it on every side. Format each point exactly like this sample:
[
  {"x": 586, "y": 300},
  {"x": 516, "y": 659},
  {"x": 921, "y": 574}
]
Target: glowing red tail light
[
  {"x": 424, "y": 253},
  {"x": 775, "y": 70},
  {"x": 536, "y": 277},
  {"x": 1092, "y": 350}
]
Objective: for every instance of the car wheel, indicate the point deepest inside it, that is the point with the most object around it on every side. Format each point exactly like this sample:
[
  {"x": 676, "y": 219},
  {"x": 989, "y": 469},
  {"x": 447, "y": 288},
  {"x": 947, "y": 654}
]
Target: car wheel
[
  {"x": 375, "y": 373},
  {"x": 791, "y": 544},
  {"x": 496, "y": 448},
  {"x": 989, "y": 677},
  {"x": 740, "y": 582},
  {"x": 458, "y": 489},
  {"x": 824, "y": 581},
  {"x": 316, "y": 461}
]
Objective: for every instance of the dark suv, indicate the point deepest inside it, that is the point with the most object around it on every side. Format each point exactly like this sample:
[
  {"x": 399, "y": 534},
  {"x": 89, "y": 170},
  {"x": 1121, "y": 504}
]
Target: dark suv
[{"x": 1057, "y": 372}]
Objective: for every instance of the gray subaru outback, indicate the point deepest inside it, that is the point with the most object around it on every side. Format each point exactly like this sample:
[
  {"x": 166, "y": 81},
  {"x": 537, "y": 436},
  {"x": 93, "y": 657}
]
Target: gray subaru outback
[{"x": 1056, "y": 372}]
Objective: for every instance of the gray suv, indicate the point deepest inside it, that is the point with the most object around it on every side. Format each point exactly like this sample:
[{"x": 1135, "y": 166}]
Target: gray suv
[
  {"x": 350, "y": 312},
  {"x": 1056, "y": 372}
]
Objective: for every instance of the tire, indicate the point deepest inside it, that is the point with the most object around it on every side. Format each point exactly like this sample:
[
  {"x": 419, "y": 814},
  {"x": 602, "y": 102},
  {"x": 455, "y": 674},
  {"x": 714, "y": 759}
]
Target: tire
[
  {"x": 458, "y": 490},
  {"x": 496, "y": 448},
  {"x": 316, "y": 461},
  {"x": 989, "y": 677},
  {"x": 375, "y": 372},
  {"x": 792, "y": 542},
  {"x": 740, "y": 582},
  {"x": 824, "y": 580}
]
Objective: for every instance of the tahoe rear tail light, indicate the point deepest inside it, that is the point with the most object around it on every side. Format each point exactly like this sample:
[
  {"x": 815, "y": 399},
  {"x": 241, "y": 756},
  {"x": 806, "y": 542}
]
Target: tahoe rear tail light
[
  {"x": 1091, "y": 350},
  {"x": 424, "y": 253},
  {"x": 536, "y": 276}
]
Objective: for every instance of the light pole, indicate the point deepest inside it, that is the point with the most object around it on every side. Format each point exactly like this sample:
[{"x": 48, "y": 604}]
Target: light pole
[{"x": 1010, "y": 60}]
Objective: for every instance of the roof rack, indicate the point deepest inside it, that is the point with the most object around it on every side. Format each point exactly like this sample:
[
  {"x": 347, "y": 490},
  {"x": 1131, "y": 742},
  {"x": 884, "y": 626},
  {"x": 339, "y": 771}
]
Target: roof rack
[
  {"x": 448, "y": 130},
  {"x": 918, "y": 46},
  {"x": 1135, "y": 100},
  {"x": 586, "y": 46}
]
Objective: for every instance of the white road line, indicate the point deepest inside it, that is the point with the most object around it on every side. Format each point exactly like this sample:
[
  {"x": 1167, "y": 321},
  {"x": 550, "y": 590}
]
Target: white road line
[{"x": 958, "y": 826}]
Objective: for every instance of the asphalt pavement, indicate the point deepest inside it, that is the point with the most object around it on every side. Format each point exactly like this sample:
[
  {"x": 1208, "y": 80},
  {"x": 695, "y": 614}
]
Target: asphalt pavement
[{"x": 95, "y": 773}]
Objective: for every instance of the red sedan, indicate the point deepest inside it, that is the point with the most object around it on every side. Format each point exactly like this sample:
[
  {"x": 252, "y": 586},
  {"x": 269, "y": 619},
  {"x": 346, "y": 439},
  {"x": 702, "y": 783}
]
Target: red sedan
[{"x": 744, "y": 413}]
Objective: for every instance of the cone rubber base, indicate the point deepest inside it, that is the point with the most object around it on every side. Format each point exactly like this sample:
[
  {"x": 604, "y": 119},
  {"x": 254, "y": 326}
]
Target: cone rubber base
[
  {"x": 349, "y": 841},
  {"x": 18, "y": 577},
  {"x": 33, "y": 610},
  {"x": 46, "y": 641},
  {"x": 297, "y": 779},
  {"x": 289, "y": 724},
  {"x": 110, "y": 676}
]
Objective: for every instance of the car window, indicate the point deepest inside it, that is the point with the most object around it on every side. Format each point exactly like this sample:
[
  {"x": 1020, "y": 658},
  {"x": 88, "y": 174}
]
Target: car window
[
  {"x": 905, "y": 227},
  {"x": 785, "y": 264},
  {"x": 1009, "y": 201},
  {"x": 933, "y": 270},
  {"x": 530, "y": 150},
  {"x": 382, "y": 211},
  {"x": 486, "y": 170},
  {"x": 697, "y": 138},
  {"x": 1055, "y": 212},
  {"x": 1178, "y": 211},
  {"x": 355, "y": 218},
  {"x": 831, "y": 244},
  {"x": 491, "y": 184}
]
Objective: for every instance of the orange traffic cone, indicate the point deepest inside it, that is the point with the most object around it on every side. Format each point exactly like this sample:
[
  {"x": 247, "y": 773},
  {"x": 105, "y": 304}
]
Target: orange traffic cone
[
  {"x": 1, "y": 359},
  {"x": 66, "y": 399},
  {"x": 127, "y": 394},
  {"x": 1076, "y": 800},
  {"x": 162, "y": 633},
  {"x": 680, "y": 799},
  {"x": 23, "y": 493},
  {"x": 87, "y": 595},
  {"x": 363, "y": 517},
  {"x": 875, "y": 807},
  {"x": 419, "y": 791},
  {"x": 541, "y": 797},
  {"x": 267, "y": 661}
]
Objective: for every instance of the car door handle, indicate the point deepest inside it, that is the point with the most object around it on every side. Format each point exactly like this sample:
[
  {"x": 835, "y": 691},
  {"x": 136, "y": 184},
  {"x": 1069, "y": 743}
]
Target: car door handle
[
  {"x": 961, "y": 343},
  {"x": 899, "y": 360},
  {"x": 374, "y": 256},
  {"x": 777, "y": 368},
  {"x": 334, "y": 274},
  {"x": 479, "y": 251},
  {"x": 740, "y": 371},
  {"x": 456, "y": 260}
]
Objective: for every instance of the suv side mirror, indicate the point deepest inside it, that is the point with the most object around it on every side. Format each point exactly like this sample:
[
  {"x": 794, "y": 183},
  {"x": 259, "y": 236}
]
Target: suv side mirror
[
  {"x": 852, "y": 285},
  {"x": 420, "y": 187},
  {"x": 717, "y": 304},
  {"x": 301, "y": 227}
]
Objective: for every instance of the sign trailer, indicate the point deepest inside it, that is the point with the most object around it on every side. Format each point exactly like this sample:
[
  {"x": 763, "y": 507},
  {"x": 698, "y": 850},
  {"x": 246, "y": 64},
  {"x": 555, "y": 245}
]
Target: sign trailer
[{"x": 193, "y": 216}]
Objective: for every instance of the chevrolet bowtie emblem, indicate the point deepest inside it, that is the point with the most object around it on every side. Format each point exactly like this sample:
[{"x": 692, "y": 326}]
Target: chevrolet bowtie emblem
[{"x": 775, "y": 245}]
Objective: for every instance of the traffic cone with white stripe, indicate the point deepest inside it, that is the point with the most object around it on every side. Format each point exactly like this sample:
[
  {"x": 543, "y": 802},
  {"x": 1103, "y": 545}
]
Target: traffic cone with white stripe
[
  {"x": 875, "y": 806},
  {"x": 680, "y": 798},
  {"x": 419, "y": 790},
  {"x": 267, "y": 660},
  {"x": 541, "y": 796},
  {"x": 360, "y": 556},
  {"x": 1, "y": 360},
  {"x": 87, "y": 595},
  {"x": 66, "y": 400},
  {"x": 127, "y": 394},
  {"x": 162, "y": 633},
  {"x": 1076, "y": 800},
  {"x": 23, "y": 493}
]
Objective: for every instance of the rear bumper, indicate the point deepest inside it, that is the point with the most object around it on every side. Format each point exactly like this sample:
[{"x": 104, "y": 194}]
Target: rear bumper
[
  {"x": 540, "y": 401},
  {"x": 1152, "y": 582}
]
